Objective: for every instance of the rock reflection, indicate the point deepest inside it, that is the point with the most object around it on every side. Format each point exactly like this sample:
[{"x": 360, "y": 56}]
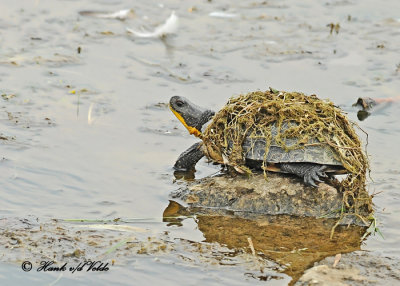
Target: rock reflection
[{"x": 295, "y": 243}]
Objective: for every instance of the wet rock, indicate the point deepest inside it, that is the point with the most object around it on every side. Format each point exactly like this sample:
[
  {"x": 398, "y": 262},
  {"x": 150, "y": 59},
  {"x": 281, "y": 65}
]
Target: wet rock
[
  {"x": 325, "y": 275},
  {"x": 356, "y": 268},
  {"x": 365, "y": 103},
  {"x": 279, "y": 194}
]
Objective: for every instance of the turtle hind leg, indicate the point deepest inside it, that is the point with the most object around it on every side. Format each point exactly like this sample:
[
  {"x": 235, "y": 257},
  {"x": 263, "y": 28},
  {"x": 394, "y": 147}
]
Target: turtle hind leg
[
  {"x": 188, "y": 159},
  {"x": 310, "y": 172}
]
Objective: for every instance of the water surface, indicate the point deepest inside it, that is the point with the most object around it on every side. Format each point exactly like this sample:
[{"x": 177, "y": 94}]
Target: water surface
[{"x": 86, "y": 137}]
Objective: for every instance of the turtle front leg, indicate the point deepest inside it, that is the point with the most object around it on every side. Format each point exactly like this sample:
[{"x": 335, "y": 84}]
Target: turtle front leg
[
  {"x": 310, "y": 172},
  {"x": 188, "y": 159}
]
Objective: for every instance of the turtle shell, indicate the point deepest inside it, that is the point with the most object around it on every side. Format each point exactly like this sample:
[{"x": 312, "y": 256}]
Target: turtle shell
[
  {"x": 291, "y": 127},
  {"x": 254, "y": 150},
  {"x": 310, "y": 152}
]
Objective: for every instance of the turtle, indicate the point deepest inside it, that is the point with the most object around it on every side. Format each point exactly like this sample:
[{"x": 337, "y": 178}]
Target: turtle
[{"x": 312, "y": 163}]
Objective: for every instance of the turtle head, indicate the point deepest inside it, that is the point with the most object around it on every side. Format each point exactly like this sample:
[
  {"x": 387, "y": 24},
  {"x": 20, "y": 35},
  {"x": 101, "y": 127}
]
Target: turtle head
[{"x": 191, "y": 116}]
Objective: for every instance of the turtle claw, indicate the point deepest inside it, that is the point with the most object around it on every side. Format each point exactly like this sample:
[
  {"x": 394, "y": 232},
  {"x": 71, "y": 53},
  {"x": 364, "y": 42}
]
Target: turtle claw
[
  {"x": 314, "y": 175},
  {"x": 309, "y": 181},
  {"x": 310, "y": 172},
  {"x": 320, "y": 172}
]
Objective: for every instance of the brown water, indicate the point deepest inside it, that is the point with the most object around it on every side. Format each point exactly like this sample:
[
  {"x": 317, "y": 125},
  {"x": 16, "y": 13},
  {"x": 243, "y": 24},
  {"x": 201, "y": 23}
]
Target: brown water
[{"x": 58, "y": 164}]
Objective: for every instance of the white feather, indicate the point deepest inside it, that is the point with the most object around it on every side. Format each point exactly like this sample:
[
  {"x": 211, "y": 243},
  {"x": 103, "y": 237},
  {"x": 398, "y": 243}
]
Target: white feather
[
  {"x": 90, "y": 118},
  {"x": 121, "y": 15},
  {"x": 169, "y": 27},
  {"x": 219, "y": 14}
]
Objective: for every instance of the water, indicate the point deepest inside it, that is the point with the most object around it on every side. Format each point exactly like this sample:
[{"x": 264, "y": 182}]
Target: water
[{"x": 117, "y": 164}]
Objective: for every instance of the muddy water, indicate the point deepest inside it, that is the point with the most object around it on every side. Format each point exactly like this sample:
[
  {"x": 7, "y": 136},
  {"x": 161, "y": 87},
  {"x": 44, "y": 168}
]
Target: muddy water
[{"x": 83, "y": 135}]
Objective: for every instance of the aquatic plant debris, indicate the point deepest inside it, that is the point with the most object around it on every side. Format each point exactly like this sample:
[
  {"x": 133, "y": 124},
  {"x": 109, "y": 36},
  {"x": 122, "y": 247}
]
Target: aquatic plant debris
[
  {"x": 337, "y": 259},
  {"x": 115, "y": 227},
  {"x": 7, "y": 96},
  {"x": 254, "y": 114},
  {"x": 334, "y": 27},
  {"x": 169, "y": 27}
]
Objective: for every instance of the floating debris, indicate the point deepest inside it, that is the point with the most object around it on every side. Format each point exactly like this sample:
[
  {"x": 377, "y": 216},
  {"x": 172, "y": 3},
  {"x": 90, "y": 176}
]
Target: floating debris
[
  {"x": 107, "y": 33},
  {"x": 158, "y": 106},
  {"x": 251, "y": 245},
  {"x": 6, "y": 138},
  {"x": 119, "y": 15},
  {"x": 90, "y": 119},
  {"x": 334, "y": 27},
  {"x": 367, "y": 104},
  {"x": 337, "y": 259},
  {"x": 169, "y": 27},
  {"x": 7, "y": 96},
  {"x": 115, "y": 227}
]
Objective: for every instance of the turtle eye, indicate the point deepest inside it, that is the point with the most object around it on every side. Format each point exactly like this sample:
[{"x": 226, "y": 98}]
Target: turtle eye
[{"x": 180, "y": 103}]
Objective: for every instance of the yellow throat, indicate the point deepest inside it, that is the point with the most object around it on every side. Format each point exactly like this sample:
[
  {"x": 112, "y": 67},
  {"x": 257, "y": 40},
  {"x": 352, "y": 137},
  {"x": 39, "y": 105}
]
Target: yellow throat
[{"x": 192, "y": 130}]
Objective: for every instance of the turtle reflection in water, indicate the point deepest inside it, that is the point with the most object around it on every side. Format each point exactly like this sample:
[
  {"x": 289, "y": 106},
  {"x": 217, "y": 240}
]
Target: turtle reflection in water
[{"x": 274, "y": 131}]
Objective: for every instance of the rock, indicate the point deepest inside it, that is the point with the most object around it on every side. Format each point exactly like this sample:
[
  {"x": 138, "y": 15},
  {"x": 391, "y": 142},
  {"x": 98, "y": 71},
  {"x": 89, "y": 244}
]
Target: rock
[
  {"x": 356, "y": 268},
  {"x": 279, "y": 194},
  {"x": 323, "y": 275}
]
